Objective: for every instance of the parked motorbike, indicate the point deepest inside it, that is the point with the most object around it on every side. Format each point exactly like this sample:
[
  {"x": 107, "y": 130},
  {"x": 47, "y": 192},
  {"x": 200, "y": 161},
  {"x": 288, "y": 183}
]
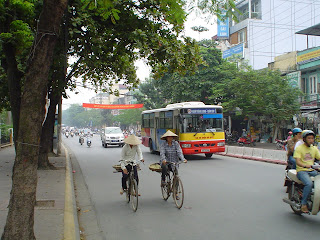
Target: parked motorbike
[
  {"x": 67, "y": 134},
  {"x": 295, "y": 190},
  {"x": 81, "y": 140},
  {"x": 281, "y": 144},
  {"x": 88, "y": 142},
  {"x": 242, "y": 141}
]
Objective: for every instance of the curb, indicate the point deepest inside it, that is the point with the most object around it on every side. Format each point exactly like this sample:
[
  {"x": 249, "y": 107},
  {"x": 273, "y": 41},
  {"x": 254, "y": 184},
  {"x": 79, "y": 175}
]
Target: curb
[
  {"x": 6, "y": 145},
  {"x": 254, "y": 159},
  {"x": 71, "y": 225}
]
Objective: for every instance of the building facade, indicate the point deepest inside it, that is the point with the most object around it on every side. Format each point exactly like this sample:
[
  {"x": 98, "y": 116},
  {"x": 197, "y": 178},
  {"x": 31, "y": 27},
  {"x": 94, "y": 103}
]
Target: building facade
[{"x": 266, "y": 29}]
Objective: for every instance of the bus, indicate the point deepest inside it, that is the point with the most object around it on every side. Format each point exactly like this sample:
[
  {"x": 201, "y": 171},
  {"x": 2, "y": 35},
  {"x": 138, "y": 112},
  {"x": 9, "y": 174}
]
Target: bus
[{"x": 198, "y": 126}]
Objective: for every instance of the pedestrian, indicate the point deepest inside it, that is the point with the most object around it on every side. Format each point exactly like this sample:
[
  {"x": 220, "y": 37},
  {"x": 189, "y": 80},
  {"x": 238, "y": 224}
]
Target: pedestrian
[
  {"x": 170, "y": 152},
  {"x": 128, "y": 154}
]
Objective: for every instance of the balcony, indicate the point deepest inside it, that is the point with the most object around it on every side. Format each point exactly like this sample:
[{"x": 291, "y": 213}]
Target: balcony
[{"x": 310, "y": 101}]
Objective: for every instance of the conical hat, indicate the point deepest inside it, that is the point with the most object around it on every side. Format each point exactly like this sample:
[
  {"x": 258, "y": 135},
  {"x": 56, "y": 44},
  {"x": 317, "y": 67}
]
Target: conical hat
[
  {"x": 168, "y": 134},
  {"x": 132, "y": 140}
]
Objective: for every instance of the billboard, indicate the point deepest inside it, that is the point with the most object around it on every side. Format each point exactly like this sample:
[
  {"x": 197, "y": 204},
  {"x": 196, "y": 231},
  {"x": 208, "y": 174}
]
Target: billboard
[
  {"x": 223, "y": 29},
  {"x": 236, "y": 50},
  {"x": 294, "y": 79}
]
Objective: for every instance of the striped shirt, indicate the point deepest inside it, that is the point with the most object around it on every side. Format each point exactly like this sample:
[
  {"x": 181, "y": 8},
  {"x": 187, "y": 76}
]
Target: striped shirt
[{"x": 171, "y": 153}]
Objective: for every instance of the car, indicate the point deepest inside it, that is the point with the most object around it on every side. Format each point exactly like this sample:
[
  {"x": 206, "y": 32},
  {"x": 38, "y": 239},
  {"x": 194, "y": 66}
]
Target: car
[{"x": 112, "y": 136}]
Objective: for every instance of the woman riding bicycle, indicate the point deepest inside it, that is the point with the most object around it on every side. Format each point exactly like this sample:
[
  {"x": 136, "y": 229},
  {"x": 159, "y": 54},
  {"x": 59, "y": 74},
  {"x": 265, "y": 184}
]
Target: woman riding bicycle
[
  {"x": 128, "y": 154},
  {"x": 170, "y": 151}
]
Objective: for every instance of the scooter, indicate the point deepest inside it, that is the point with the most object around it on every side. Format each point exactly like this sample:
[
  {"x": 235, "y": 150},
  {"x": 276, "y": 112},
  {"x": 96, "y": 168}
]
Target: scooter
[
  {"x": 67, "y": 134},
  {"x": 246, "y": 141},
  {"x": 295, "y": 190},
  {"x": 88, "y": 142},
  {"x": 280, "y": 144},
  {"x": 81, "y": 140},
  {"x": 71, "y": 134}
]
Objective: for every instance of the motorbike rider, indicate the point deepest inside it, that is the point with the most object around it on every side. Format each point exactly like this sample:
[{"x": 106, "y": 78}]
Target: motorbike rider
[
  {"x": 305, "y": 155},
  {"x": 296, "y": 133},
  {"x": 128, "y": 154}
]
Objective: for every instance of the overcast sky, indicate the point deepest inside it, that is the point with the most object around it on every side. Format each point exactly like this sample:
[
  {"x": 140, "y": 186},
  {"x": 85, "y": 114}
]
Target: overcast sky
[{"x": 143, "y": 70}]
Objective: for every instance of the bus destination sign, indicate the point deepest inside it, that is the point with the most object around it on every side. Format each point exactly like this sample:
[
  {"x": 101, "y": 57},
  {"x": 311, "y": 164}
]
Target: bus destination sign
[{"x": 202, "y": 111}]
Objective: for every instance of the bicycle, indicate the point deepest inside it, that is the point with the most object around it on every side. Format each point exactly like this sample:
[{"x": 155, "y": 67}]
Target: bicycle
[
  {"x": 173, "y": 184},
  {"x": 131, "y": 193}
]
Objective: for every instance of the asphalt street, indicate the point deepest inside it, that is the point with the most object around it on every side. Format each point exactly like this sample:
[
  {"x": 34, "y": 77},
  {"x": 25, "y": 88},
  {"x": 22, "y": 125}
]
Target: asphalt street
[{"x": 225, "y": 198}]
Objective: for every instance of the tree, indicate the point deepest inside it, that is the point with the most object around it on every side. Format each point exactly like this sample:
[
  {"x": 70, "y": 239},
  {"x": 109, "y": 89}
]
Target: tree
[
  {"x": 196, "y": 86},
  {"x": 129, "y": 117},
  {"x": 259, "y": 93},
  {"x": 199, "y": 29},
  {"x": 24, "y": 179}
]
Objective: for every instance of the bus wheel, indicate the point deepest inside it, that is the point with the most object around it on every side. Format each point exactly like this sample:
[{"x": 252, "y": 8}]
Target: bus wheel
[
  {"x": 151, "y": 146},
  {"x": 208, "y": 155}
]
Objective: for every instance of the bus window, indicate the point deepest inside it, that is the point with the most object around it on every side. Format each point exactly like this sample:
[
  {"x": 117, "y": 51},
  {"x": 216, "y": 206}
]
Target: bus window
[{"x": 201, "y": 123}]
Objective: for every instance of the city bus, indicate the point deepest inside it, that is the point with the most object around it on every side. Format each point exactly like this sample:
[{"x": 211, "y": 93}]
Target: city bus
[{"x": 198, "y": 126}]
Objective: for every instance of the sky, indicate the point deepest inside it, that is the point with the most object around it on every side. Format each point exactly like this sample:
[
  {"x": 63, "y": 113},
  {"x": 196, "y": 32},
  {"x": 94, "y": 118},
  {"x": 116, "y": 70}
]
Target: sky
[{"x": 143, "y": 70}]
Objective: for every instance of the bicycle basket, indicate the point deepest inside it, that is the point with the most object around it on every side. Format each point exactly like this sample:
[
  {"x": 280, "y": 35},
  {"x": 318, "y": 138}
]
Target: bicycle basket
[
  {"x": 155, "y": 167},
  {"x": 117, "y": 167}
]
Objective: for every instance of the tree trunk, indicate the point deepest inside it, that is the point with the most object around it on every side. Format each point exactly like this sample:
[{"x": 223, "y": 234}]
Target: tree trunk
[
  {"x": 14, "y": 78},
  {"x": 47, "y": 133},
  {"x": 20, "y": 218}
]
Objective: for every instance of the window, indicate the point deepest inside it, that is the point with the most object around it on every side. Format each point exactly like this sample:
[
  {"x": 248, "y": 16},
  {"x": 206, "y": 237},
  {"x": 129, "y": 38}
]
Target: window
[
  {"x": 166, "y": 119},
  {"x": 303, "y": 85},
  {"x": 148, "y": 120},
  {"x": 313, "y": 84},
  {"x": 242, "y": 36}
]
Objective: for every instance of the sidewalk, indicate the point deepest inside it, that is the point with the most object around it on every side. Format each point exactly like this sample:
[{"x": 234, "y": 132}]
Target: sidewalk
[{"x": 50, "y": 209}]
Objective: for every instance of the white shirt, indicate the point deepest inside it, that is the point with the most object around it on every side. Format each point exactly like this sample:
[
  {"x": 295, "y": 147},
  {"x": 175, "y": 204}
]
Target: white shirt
[
  {"x": 300, "y": 142},
  {"x": 128, "y": 154}
]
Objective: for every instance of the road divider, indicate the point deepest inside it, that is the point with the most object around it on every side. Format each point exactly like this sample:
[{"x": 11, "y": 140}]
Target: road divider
[{"x": 257, "y": 154}]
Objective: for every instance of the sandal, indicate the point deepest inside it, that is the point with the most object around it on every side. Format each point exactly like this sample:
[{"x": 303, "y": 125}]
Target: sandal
[{"x": 304, "y": 209}]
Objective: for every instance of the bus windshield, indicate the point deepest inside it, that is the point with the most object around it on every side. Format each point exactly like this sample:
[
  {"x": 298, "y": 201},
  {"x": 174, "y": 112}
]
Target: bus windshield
[{"x": 201, "y": 123}]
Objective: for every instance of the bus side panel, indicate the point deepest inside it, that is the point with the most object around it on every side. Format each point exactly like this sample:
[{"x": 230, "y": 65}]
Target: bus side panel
[
  {"x": 160, "y": 132},
  {"x": 145, "y": 136}
]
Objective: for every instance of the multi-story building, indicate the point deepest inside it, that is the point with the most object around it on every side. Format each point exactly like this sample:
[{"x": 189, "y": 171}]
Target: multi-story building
[
  {"x": 106, "y": 98},
  {"x": 266, "y": 29}
]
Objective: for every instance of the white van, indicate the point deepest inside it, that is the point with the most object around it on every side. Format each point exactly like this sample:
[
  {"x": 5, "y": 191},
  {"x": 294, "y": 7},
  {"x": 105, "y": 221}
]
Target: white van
[{"x": 112, "y": 136}]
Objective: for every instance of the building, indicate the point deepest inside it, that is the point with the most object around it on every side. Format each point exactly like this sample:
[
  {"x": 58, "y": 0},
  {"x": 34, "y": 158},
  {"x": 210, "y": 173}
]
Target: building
[
  {"x": 266, "y": 29},
  {"x": 106, "y": 98}
]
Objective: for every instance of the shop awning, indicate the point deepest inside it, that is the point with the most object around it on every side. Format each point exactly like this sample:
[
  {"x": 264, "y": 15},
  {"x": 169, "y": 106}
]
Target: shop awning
[{"x": 313, "y": 30}]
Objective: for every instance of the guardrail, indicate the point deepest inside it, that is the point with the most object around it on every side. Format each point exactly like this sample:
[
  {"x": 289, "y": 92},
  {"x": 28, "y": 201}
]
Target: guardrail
[{"x": 257, "y": 154}]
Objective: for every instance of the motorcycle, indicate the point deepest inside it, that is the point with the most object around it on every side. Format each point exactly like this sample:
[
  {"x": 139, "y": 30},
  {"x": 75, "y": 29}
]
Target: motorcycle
[
  {"x": 67, "y": 134},
  {"x": 295, "y": 190},
  {"x": 88, "y": 142},
  {"x": 281, "y": 144},
  {"x": 246, "y": 141},
  {"x": 81, "y": 140},
  {"x": 71, "y": 134}
]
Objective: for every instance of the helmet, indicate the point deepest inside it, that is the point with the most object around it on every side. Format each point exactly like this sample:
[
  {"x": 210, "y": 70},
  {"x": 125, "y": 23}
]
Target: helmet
[
  {"x": 306, "y": 133},
  {"x": 296, "y": 130}
]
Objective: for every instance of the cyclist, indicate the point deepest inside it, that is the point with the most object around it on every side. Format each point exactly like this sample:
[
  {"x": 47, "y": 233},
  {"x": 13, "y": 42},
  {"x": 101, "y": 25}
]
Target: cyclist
[
  {"x": 128, "y": 154},
  {"x": 305, "y": 155},
  {"x": 170, "y": 151}
]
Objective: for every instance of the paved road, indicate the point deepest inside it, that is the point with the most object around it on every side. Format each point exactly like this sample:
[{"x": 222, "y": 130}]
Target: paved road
[{"x": 225, "y": 198}]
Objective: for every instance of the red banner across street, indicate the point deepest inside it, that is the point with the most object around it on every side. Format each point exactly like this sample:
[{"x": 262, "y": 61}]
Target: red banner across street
[{"x": 112, "y": 106}]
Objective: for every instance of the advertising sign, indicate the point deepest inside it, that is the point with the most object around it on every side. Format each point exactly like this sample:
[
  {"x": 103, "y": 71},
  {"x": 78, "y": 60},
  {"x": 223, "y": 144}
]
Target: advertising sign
[
  {"x": 294, "y": 78},
  {"x": 308, "y": 57},
  {"x": 112, "y": 106},
  {"x": 223, "y": 29},
  {"x": 236, "y": 50}
]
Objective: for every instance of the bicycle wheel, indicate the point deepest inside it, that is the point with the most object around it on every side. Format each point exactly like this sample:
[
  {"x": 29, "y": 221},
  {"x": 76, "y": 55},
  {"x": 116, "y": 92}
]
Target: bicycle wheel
[
  {"x": 134, "y": 195},
  {"x": 178, "y": 193},
  {"x": 128, "y": 191},
  {"x": 165, "y": 189}
]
